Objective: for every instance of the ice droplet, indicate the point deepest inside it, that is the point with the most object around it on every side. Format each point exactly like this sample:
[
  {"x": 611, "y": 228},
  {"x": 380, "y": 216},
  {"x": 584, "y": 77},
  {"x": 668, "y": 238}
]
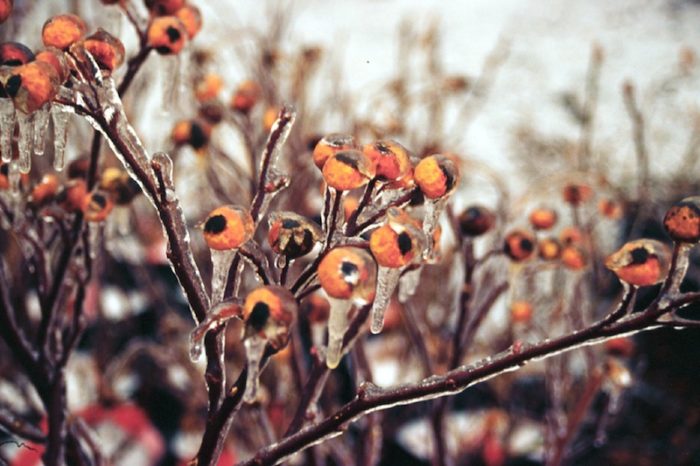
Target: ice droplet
[
  {"x": 14, "y": 178},
  {"x": 280, "y": 261},
  {"x": 24, "y": 143},
  {"x": 408, "y": 284},
  {"x": 387, "y": 279},
  {"x": 254, "y": 349},
  {"x": 7, "y": 128},
  {"x": 170, "y": 195},
  {"x": 41, "y": 124},
  {"x": 337, "y": 325},
  {"x": 60, "y": 119},
  {"x": 221, "y": 264}
]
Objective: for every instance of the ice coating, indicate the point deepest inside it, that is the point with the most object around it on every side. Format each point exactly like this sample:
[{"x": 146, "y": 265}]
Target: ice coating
[
  {"x": 254, "y": 350},
  {"x": 337, "y": 325},
  {"x": 221, "y": 261},
  {"x": 408, "y": 284},
  {"x": 387, "y": 279},
  {"x": 7, "y": 128},
  {"x": 217, "y": 316},
  {"x": 60, "y": 119},
  {"x": 41, "y": 124},
  {"x": 95, "y": 234},
  {"x": 431, "y": 219},
  {"x": 26, "y": 139}
]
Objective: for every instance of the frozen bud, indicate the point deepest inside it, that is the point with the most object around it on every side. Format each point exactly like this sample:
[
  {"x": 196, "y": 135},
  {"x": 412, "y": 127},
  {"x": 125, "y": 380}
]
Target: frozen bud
[
  {"x": 576, "y": 194},
  {"x": 330, "y": 145},
  {"x": 682, "y": 221},
  {"x": 643, "y": 262},
  {"x": 292, "y": 235},
  {"x": 32, "y": 86},
  {"x": 96, "y": 206},
  {"x": 45, "y": 190},
  {"x": 164, "y": 7},
  {"x": 269, "y": 312},
  {"x": 15, "y": 54},
  {"x": 543, "y": 219},
  {"x": 62, "y": 31},
  {"x": 72, "y": 196},
  {"x": 396, "y": 244},
  {"x": 167, "y": 35},
  {"x": 573, "y": 258},
  {"x": 5, "y": 10},
  {"x": 228, "y": 227},
  {"x": 476, "y": 220},
  {"x": 348, "y": 170},
  {"x": 548, "y": 249},
  {"x": 519, "y": 245},
  {"x": 521, "y": 312},
  {"x": 57, "y": 61},
  {"x": 107, "y": 50},
  {"x": 609, "y": 208},
  {"x": 209, "y": 87},
  {"x": 570, "y": 236},
  {"x": 437, "y": 176},
  {"x": 348, "y": 273},
  {"x": 121, "y": 187},
  {"x": 195, "y": 133},
  {"x": 391, "y": 159},
  {"x": 212, "y": 112},
  {"x": 191, "y": 18},
  {"x": 246, "y": 96}
]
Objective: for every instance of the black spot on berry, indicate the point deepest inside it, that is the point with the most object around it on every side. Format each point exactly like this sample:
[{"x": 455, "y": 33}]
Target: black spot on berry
[
  {"x": 99, "y": 200},
  {"x": 639, "y": 255},
  {"x": 173, "y": 34},
  {"x": 348, "y": 269},
  {"x": 258, "y": 316},
  {"x": 13, "y": 84},
  {"x": 405, "y": 243},
  {"x": 215, "y": 224},
  {"x": 163, "y": 50},
  {"x": 347, "y": 159},
  {"x": 289, "y": 223},
  {"x": 526, "y": 245},
  {"x": 198, "y": 138}
]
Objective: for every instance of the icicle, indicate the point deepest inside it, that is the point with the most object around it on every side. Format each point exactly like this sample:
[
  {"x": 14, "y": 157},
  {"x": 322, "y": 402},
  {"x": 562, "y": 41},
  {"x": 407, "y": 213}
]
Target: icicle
[
  {"x": 431, "y": 219},
  {"x": 408, "y": 284},
  {"x": 170, "y": 79},
  {"x": 60, "y": 119},
  {"x": 15, "y": 178},
  {"x": 337, "y": 325},
  {"x": 26, "y": 138},
  {"x": 217, "y": 316},
  {"x": 41, "y": 123},
  {"x": 221, "y": 263},
  {"x": 254, "y": 350},
  {"x": 7, "y": 128},
  {"x": 387, "y": 279},
  {"x": 95, "y": 235}
]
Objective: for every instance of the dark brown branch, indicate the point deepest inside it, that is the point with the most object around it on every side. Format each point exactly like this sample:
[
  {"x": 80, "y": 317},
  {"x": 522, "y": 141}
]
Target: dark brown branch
[{"x": 371, "y": 398}]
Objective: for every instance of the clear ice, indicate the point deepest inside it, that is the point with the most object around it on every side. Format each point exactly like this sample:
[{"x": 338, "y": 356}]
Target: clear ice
[
  {"x": 41, "y": 124},
  {"x": 25, "y": 141},
  {"x": 254, "y": 350},
  {"x": 217, "y": 316},
  {"x": 387, "y": 279},
  {"x": 337, "y": 325},
  {"x": 60, "y": 119},
  {"x": 431, "y": 219},
  {"x": 221, "y": 264},
  {"x": 7, "y": 128}
]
